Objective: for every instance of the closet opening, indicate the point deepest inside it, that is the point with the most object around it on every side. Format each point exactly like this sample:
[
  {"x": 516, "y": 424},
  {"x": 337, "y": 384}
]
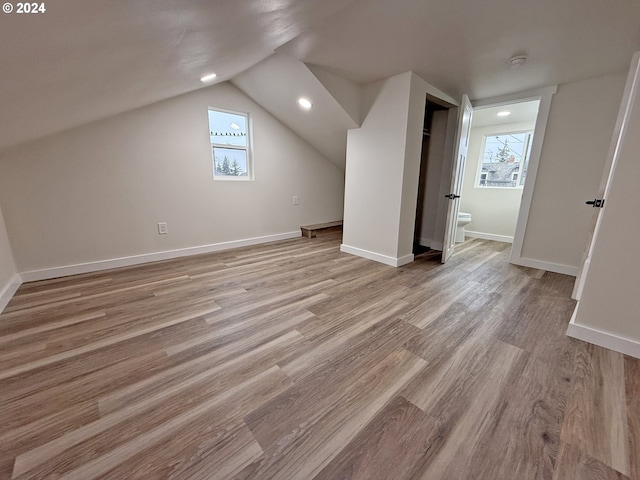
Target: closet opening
[{"x": 435, "y": 175}]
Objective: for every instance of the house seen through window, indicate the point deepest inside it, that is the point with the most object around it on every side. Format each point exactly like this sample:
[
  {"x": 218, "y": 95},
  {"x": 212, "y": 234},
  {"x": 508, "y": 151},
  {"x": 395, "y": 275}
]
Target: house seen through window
[
  {"x": 505, "y": 159},
  {"x": 229, "y": 136}
]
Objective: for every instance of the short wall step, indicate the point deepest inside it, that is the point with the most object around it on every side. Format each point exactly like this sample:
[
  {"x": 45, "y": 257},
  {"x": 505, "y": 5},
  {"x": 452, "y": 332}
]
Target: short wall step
[{"x": 310, "y": 231}]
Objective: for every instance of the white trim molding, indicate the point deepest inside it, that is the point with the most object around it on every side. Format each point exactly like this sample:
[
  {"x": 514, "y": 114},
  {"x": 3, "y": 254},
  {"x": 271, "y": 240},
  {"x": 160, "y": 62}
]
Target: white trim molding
[
  {"x": 604, "y": 339},
  {"x": 489, "y": 236},
  {"x": 377, "y": 257},
  {"x": 99, "y": 265},
  {"x": 404, "y": 260},
  {"x": 548, "y": 266},
  {"x": 8, "y": 291}
]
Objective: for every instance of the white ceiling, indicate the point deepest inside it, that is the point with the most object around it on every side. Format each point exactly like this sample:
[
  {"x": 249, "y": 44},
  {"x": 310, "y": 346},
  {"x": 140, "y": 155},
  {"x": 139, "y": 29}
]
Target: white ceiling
[
  {"x": 520, "y": 112},
  {"x": 85, "y": 60},
  {"x": 462, "y": 46}
]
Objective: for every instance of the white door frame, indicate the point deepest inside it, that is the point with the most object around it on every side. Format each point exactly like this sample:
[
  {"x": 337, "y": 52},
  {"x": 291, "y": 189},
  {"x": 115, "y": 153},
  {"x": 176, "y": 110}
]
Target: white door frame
[{"x": 544, "y": 95}]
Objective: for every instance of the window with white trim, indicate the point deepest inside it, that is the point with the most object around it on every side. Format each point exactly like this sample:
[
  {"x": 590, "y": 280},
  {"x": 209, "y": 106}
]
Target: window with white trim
[
  {"x": 505, "y": 159},
  {"x": 230, "y": 145}
]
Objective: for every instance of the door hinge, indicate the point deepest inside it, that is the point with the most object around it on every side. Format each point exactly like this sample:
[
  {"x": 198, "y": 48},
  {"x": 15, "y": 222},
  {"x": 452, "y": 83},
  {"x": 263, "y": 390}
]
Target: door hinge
[{"x": 596, "y": 202}]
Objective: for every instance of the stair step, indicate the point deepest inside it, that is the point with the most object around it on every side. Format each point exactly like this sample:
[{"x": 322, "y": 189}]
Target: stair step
[{"x": 310, "y": 231}]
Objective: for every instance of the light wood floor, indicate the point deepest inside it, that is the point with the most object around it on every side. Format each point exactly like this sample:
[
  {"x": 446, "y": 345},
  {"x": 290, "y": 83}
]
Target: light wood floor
[{"x": 295, "y": 361}]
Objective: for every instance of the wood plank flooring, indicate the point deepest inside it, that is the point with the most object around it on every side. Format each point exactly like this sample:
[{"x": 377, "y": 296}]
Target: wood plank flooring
[{"x": 292, "y": 360}]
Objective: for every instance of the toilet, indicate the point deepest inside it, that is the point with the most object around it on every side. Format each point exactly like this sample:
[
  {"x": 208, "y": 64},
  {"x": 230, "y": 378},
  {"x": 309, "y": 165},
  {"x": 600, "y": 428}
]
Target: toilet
[{"x": 463, "y": 219}]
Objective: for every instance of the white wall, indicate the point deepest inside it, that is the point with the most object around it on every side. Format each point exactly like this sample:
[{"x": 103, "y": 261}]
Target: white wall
[
  {"x": 383, "y": 169},
  {"x": 374, "y": 169},
  {"x": 97, "y": 192},
  {"x": 8, "y": 278},
  {"x": 494, "y": 211},
  {"x": 607, "y": 313},
  {"x": 575, "y": 146}
]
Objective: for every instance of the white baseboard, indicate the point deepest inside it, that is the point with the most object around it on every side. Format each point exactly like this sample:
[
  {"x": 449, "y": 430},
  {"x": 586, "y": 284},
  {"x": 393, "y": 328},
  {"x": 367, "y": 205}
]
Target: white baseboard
[
  {"x": 67, "y": 270},
  {"x": 377, "y": 257},
  {"x": 489, "y": 236},
  {"x": 604, "y": 339},
  {"x": 7, "y": 292},
  {"x": 433, "y": 245},
  {"x": 548, "y": 266},
  {"x": 404, "y": 260}
]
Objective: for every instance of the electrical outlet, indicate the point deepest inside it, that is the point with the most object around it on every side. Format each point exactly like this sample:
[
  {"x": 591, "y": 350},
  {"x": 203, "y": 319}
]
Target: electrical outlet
[
  {"x": 162, "y": 228},
  {"x": 295, "y": 200}
]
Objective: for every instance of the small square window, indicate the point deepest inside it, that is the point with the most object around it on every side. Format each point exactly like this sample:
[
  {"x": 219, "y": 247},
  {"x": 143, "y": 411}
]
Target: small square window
[
  {"x": 505, "y": 159},
  {"x": 230, "y": 145}
]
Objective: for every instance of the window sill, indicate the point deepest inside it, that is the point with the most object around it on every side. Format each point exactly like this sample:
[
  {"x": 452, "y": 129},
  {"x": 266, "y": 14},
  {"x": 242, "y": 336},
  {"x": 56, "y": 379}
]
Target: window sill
[
  {"x": 498, "y": 188},
  {"x": 232, "y": 179}
]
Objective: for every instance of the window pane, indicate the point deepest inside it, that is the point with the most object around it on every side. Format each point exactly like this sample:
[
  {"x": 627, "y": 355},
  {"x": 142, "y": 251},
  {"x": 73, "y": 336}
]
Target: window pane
[
  {"x": 505, "y": 160},
  {"x": 227, "y": 128},
  {"x": 230, "y": 162}
]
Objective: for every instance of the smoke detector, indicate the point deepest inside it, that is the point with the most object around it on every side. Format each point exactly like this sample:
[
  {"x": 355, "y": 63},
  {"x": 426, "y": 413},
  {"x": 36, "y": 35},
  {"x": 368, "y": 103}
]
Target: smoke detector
[{"x": 517, "y": 61}]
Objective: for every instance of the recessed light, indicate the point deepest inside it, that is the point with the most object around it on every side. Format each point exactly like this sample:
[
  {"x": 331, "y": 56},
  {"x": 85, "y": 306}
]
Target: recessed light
[
  {"x": 235, "y": 126},
  {"x": 504, "y": 113},
  {"x": 208, "y": 78},
  {"x": 305, "y": 103}
]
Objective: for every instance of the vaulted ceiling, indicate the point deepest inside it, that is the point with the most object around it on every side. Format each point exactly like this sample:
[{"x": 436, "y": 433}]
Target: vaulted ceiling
[{"x": 85, "y": 60}]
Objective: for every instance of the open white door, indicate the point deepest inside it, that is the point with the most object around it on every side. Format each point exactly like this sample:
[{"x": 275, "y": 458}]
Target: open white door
[
  {"x": 459, "y": 159},
  {"x": 630, "y": 91}
]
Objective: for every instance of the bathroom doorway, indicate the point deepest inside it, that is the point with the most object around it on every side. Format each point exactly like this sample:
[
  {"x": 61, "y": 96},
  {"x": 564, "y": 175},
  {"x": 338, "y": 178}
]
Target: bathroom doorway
[{"x": 496, "y": 171}]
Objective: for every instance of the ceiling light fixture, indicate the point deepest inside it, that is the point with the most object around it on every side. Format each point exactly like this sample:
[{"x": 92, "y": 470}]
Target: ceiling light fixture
[
  {"x": 504, "y": 113},
  {"x": 208, "y": 78},
  {"x": 517, "y": 61},
  {"x": 305, "y": 103}
]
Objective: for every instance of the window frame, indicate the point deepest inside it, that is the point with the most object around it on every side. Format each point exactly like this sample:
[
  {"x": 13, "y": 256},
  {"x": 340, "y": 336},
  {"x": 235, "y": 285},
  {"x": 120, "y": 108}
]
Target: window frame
[
  {"x": 527, "y": 149},
  {"x": 248, "y": 148}
]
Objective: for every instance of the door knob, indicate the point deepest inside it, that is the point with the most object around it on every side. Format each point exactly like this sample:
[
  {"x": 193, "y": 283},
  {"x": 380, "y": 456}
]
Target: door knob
[
  {"x": 452, "y": 196},
  {"x": 596, "y": 202}
]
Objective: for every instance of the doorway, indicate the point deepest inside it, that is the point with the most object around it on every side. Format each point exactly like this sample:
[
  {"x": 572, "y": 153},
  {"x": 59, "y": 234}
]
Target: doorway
[
  {"x": 431, "y": 209},
  {"x": 435, "y": 173},
  {"x": 496, "y": 170}
]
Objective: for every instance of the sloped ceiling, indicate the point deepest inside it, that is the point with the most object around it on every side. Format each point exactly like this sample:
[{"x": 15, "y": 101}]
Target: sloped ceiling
[
  {"x": 85, "y": 60},
  {"x": 277, "y": 82}
]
